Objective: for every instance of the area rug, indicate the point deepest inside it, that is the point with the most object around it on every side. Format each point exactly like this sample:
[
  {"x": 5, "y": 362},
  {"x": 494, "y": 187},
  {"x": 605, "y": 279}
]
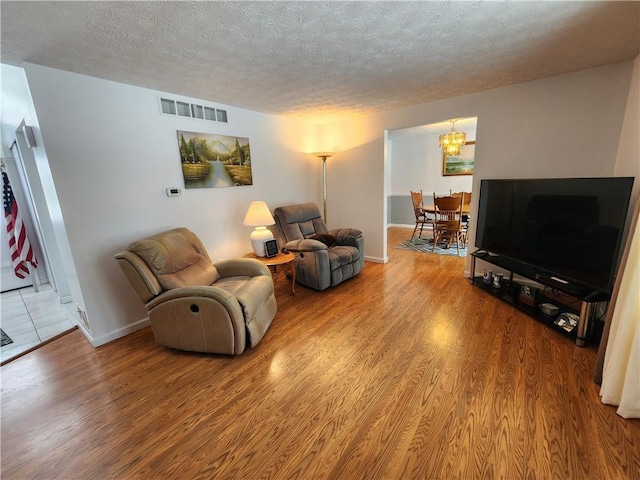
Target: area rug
[
  {"x": 4, "y": 339},
  {"x": 425, "y": 245}
]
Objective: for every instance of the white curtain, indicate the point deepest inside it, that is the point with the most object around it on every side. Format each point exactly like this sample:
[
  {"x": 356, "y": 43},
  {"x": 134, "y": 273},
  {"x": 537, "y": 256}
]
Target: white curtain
[{"x": 621, "y": 370}]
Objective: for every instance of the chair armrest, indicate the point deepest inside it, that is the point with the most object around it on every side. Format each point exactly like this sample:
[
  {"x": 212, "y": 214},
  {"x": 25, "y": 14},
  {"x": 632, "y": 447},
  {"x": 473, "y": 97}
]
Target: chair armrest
[
  {"x": 305, "y": 245},
  {"x": 346, "y": 236},
  {"x": 229, "y": 301},
  {"x": 245, "y": 267}
]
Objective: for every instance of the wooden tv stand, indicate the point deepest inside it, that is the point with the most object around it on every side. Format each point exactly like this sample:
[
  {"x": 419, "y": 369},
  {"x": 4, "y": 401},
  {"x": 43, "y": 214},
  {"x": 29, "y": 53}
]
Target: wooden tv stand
[{"x": 567, "y": 297}]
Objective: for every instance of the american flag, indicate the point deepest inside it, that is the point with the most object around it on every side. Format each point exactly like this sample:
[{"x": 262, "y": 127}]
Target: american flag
[{"x": 19, "y": 245}]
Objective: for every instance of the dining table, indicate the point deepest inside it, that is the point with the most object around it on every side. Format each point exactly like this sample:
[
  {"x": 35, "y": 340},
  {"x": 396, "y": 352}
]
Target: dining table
[{"x": 430, "y": 208}]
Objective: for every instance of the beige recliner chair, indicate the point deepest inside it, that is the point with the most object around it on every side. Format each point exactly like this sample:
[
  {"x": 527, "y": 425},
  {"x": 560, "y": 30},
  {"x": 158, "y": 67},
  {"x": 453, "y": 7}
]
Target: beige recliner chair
[{"x": 195, "y": 305}]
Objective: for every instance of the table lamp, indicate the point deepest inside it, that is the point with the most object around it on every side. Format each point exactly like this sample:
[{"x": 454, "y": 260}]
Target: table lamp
[{"x": 259, "y": 216}]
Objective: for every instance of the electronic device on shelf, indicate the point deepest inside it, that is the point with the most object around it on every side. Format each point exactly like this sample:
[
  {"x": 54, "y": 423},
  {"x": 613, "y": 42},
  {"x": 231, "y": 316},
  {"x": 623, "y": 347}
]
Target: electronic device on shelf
[{"x": 565, "y": 232}]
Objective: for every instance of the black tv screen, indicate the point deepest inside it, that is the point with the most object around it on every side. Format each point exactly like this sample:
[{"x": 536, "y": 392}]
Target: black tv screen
[{"x": 568, "y": 228}]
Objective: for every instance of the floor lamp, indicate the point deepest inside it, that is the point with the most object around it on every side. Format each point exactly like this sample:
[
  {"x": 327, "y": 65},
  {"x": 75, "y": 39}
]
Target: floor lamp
[{"x": 324, "y": 156}]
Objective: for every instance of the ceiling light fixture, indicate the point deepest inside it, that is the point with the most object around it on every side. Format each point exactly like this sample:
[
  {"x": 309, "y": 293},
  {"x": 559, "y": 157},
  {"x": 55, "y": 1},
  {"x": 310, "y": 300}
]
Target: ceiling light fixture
[{"x": 452, "y": 141}]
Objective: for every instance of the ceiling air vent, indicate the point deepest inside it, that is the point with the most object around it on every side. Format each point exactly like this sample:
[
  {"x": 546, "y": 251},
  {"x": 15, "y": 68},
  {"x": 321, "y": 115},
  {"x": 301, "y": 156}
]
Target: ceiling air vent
[{"x": 192, "y": 110}]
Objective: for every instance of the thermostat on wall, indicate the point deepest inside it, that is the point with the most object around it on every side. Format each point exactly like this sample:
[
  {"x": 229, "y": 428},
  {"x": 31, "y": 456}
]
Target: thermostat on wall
[{"x": 174, "y": 192}]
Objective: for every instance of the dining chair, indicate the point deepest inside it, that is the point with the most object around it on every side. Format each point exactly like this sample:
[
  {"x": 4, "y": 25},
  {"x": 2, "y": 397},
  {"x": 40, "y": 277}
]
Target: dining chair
[
  {"x": 421, "y": 216},
  {"x": 466, "y": 200},
  {"x": 448, "y": 222}
]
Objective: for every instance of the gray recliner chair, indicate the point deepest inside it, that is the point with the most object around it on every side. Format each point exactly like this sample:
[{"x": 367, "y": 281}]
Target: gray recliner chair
[
  {"x": 194, "y": 305},
  {"x": 325, "y": 257}
]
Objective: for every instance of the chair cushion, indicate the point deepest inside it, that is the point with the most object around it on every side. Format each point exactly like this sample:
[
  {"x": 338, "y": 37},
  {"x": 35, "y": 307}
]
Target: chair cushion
[
  {"x": 177, "y": 259},
  {"x": 297, "y": 222},
  {"x": 255, "y": 296},
  {"x": 328, "y": 240},
  {"x": 342, "y": 255},
  {"x": 344, "y": 263},
  {"x": 251, "y": 292}
]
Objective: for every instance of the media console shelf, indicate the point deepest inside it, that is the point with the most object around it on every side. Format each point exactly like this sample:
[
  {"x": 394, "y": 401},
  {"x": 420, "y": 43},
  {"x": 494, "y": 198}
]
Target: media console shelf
[{"x": 583, "y": 303}]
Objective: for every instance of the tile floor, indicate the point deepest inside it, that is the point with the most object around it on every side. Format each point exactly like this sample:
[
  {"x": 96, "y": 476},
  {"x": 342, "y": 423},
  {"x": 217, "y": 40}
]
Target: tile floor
[{"x": 30, "y": 318}]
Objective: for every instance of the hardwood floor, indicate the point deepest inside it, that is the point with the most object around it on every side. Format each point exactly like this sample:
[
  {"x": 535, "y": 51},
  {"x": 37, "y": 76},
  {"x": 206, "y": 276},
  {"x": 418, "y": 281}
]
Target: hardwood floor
[{"x": 405, "y": 371}]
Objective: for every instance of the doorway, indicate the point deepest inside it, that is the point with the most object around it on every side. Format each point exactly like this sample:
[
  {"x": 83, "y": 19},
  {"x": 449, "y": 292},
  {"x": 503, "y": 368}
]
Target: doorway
[
  {"x": 33, "y": 314},
  {"x": 414, "y": 161}
]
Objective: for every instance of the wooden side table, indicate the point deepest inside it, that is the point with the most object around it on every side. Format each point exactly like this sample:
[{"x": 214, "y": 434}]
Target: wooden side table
[{"x": 286, "y": 260}]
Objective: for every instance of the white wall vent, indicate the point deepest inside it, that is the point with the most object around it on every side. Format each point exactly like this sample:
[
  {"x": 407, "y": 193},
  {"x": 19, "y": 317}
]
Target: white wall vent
[
  {"x": 183, "y": 109},
  {"x": 83, "y": 316},
  {"x": 168, "y": 106},
  {"x": 192, "y": 110}
]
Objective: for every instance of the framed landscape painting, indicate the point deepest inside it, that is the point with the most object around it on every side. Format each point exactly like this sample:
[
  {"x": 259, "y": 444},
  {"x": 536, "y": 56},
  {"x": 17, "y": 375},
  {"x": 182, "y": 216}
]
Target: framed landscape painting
[
  {"x": 459, "y": 164},
  {"x": 210, "y": 161}
]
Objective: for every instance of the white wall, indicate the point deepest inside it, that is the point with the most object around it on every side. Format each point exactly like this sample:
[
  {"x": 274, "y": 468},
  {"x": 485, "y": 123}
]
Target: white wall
[
  {"x": 628, "y": 156},
  {"x": 112, "y": 154},
  {"x": 15, "y": 107},
  {"x": 416, "y": 164}
]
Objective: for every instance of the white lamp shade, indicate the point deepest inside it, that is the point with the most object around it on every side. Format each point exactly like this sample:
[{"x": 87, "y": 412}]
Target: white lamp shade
[{"x": 258, "y": 215}]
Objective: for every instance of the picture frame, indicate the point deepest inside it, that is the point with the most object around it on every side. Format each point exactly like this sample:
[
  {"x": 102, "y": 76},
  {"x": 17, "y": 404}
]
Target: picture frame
[
  {"x": 209, "y": 160},
  {"x": 461, "y": 164}
]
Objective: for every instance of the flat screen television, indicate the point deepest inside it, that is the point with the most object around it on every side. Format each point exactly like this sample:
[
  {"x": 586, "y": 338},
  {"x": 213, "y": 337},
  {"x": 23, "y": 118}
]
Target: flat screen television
[{"x": 567, "y": 230}]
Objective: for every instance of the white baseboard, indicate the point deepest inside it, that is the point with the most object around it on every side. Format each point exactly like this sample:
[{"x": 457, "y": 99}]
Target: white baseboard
[
  {"x": 111, "y": 336},
  {"x": 66, "y": 299},
  {"x": 376, "y": 259},
  {"x": 400, "y": 225},
  {"x": 411, "y": 227}
]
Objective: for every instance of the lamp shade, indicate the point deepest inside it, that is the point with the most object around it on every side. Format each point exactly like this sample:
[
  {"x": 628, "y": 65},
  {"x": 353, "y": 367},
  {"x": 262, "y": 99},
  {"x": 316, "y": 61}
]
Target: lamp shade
[{"x": 258, "y": 215}]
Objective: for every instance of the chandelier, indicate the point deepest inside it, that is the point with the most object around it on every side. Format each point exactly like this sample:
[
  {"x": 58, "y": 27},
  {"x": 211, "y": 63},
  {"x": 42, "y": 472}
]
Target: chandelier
[{"x": 452, "y": 141}]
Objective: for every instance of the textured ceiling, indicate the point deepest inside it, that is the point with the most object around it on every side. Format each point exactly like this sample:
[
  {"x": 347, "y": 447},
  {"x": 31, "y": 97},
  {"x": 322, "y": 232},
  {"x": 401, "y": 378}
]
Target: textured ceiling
[{"x": 320, "y": 59}]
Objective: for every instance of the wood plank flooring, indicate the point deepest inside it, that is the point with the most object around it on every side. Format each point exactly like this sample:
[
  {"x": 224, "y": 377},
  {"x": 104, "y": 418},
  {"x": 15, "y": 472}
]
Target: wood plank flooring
[{"x": 404, "y": 372}]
